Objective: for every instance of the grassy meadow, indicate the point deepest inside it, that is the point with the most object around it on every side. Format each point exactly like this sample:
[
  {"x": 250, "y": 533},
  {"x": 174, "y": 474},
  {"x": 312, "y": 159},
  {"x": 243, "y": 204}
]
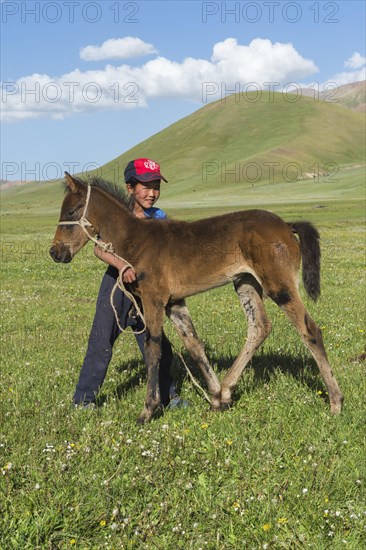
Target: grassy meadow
[{"x": 275, "y": 471}]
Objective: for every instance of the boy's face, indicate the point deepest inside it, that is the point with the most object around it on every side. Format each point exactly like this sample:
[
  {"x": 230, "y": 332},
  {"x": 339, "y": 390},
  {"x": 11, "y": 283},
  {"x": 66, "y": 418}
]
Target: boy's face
[{"x": 145, "y": 194}]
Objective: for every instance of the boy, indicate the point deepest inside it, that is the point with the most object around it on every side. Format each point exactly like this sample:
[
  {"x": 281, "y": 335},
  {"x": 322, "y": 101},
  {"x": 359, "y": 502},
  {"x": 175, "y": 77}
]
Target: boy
[{"x": 142, "y": 178}]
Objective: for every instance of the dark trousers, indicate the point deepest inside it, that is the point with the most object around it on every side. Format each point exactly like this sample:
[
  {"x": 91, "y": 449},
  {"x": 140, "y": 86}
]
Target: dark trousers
[{"x": 102, "y": 337}]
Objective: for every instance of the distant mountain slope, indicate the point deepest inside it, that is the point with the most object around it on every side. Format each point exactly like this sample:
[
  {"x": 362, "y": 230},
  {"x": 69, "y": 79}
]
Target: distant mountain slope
[
  {"x": 352, "y": 96},
  {"x": 8, "y": 184}
]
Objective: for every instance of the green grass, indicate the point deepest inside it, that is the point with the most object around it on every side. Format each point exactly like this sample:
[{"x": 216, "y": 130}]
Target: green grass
[{"x": 275, "y": 471}]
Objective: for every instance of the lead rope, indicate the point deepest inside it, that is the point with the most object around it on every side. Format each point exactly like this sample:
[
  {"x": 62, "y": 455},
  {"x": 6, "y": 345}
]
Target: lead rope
[
  {"x": 120, "y": 284},
  {"x": 108, "y": 247}
]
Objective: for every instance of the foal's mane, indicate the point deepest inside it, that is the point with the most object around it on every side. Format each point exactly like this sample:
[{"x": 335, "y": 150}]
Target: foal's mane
[{"x": 109, "y": 187}]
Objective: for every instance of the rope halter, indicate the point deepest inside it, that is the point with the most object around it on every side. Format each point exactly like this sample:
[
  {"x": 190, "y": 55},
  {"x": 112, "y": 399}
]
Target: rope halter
[{"x": 83, "y": 222}]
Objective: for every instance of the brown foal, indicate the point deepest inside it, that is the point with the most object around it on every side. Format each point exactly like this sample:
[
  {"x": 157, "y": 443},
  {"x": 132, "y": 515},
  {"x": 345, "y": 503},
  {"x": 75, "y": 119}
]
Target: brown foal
[{"x": 255, "y": 250}]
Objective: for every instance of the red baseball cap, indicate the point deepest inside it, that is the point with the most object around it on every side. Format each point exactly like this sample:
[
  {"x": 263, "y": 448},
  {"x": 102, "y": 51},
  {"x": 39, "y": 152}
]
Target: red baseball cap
[{"x": 143, "y": 170}]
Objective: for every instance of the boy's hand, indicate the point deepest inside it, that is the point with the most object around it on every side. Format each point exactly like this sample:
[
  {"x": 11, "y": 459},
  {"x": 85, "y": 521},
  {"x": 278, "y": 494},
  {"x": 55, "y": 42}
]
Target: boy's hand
[
  {"x": 129, "y": 276},
  {"x": 140, "y": 215}
]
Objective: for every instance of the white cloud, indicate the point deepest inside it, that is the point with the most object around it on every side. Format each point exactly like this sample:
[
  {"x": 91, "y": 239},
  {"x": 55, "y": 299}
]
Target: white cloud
[
  {"x": 117, "y": 48},
  {"x": 356, "y": 61},
  {"x": 231, "y": 67},
  {"x": 347, "y": 77},
  {"x": 358, "y": 74},
  {"x": 260, "y": 61}
]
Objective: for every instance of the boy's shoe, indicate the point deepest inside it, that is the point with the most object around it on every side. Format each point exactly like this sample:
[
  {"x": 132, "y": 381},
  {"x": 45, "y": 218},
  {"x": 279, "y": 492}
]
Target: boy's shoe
[
  {"x": 175, "y": 403},
  {"x": 84, "y": 406},
  {"x": 178, "y": 403}
]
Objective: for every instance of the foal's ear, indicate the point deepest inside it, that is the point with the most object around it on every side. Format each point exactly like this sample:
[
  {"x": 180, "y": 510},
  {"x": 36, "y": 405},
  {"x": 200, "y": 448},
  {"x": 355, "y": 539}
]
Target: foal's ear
[{"x": 71, "y": 183}]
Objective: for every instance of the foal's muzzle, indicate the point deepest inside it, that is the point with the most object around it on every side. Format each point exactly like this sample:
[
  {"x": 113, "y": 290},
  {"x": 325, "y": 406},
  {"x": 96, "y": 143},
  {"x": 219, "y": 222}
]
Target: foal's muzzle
[{"x": 60, "y": 254}]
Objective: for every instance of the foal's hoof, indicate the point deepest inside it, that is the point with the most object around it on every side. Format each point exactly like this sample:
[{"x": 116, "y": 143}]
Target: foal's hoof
[
  {"x": 336, "y": 403},
  {"x": 148, "y": 414},
  {"x": 143, "y": 418},
  {"x": 215, "y": 404},
  {"x": 225, "y": 406},
  {"x": 336, "y": 408},
  {"x": 220, "y": 407}
]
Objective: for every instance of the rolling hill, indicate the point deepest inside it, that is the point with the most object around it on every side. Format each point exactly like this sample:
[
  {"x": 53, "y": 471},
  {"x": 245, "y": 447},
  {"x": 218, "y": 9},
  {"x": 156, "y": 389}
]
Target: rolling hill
[
  {"x": 236, "y": 144},
  {"x": 242, "y": 142}
]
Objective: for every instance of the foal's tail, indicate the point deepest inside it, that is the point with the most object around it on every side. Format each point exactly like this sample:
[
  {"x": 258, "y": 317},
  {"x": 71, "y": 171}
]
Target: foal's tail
[{"x": 310, "y": 253}]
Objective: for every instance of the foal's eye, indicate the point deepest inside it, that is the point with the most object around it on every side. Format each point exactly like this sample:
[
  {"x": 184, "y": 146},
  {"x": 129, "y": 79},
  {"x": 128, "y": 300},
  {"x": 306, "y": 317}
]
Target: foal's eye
[{"x": 72, "y": 211}]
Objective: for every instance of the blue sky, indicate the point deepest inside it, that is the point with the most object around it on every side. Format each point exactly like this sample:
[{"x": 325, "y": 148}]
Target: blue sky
[{"x": 84, "y": 81}]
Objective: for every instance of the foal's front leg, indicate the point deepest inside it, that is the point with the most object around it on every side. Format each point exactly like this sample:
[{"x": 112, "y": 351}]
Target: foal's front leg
[
  {"x": 154, "y": 317},
  {"x": 179, "y": 315}
]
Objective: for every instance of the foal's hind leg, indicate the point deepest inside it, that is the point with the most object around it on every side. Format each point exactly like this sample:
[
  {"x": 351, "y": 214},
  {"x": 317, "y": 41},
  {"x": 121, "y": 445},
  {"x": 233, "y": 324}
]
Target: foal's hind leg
[
  {"x": 179, "y": 315},
  {"x": 259, "y": 327},
  {"x": 312, "y": 338}
]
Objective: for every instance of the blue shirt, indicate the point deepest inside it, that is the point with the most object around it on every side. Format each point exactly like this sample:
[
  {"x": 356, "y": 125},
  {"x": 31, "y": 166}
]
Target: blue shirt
[{"x": 155, "y": 213}]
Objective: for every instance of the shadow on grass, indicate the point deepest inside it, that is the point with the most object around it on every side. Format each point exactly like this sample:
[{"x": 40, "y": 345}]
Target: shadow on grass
[
  {"x": 259, "y": 372},
  {"x": 303, "y": 369},
  {"x": 138, "y": 375}
]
